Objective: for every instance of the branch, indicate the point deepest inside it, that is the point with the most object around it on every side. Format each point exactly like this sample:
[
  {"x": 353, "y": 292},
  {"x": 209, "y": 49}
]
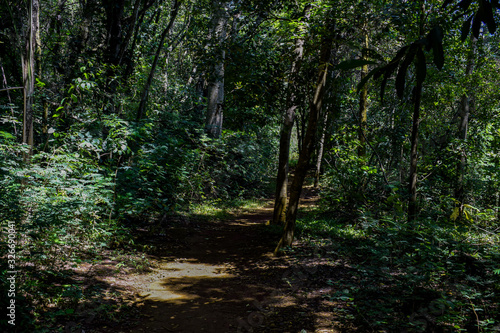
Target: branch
[{"x": 11, "y": 88}]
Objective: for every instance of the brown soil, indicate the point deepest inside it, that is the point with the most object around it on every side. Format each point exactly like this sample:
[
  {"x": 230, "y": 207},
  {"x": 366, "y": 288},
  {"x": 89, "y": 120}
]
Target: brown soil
[{"x": 221, "y": 276}]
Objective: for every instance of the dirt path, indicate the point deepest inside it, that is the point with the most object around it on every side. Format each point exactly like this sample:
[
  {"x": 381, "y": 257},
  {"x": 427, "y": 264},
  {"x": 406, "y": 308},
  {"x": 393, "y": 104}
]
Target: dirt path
[{"x": 221, "y": 277}]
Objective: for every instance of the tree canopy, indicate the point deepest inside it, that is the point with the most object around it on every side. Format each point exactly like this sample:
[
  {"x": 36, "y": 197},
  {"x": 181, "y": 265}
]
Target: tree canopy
[{"x": 119, "y": 114}]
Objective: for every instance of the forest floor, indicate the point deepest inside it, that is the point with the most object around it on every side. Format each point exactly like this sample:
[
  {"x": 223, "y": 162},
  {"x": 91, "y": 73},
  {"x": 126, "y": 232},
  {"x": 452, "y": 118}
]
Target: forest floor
[{"x": 221, "y": 276}]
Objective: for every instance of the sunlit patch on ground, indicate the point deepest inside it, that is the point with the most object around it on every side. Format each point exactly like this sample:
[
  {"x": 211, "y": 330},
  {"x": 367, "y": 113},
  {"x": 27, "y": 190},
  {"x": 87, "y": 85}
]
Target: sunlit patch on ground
[{"x": 170, "y": 281}]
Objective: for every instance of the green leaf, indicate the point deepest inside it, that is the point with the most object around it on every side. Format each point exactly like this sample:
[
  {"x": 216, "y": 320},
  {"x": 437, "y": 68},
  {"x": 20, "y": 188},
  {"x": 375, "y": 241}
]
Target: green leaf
[
  {"x": 6, "y": 135},
  {"x": 435, "y": 38},
  {"x": 354, "y": 63},
  {"x": 476, "y": 25},
  {"x": 455, "y": 214},
  {"x": 371, "y": 53},
  {"x": 388, "y": 70},
  {"x": 400, "y": 54},
  {"x": 403, "y": 69},
  {"x": 466, "y": 29},
  {"x": 488, "y": 17},
  {"x": 74, "y": 98},
  {"x": 368, "y": 76},
  {"x": 421, "y": 66}
]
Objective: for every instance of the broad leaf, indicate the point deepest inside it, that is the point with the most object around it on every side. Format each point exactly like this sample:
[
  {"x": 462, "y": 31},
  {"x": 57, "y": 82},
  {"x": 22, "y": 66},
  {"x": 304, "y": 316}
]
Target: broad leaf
[
  {"x": 435, "y": 38},
  {"x": 421, "y": 66},
  {"x": 372, "y": 54},
  {"x": 488, "y": 17},
  {"x": 388, "y": 70},
  {"x": 476, "y": 24},
  {"x": 368, "y": 76},
  {"x": 466, "y": 29},
  {"x": 401, "y": 77},
  {"x": 354, "y": 63}
]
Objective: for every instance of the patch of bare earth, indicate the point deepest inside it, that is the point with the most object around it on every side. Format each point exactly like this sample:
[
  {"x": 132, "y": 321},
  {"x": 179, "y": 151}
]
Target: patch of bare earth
[{"x": 221, "y": 276}]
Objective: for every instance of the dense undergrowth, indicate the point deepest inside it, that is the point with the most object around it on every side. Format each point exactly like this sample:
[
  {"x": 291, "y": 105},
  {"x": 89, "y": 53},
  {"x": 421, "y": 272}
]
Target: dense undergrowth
[
  {"x": 74, "y": 203},
  {"x": 436, "y": 275}
]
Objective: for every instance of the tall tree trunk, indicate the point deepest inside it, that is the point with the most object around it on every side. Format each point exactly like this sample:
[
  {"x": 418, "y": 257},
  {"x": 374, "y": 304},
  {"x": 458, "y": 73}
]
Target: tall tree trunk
[
  {"x": 363, "y": 104},
  {"x": 412, "y": 183},
  {"x": 321, "y": 149},
  {"x": 145, "y": 93},
  {"x": 412, "y": 187},
  {"x": 28, "y": 66},
  {"x": 465, "y": 109},
  {"x": 114, "y": 13},
  {"x": 214, "y": 118},
  {"x": 309, "y": 138},
  {"x": 279, "y": 215}
]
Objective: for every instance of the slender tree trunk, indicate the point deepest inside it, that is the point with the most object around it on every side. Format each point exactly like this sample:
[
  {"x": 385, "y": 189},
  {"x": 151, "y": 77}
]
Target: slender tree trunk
[
  {"x": 28, "y": 65},
  {"x": 130, "y": 31},
  {"x": 145, "y": 93},
  {"x": 214, "y": 118},
  {"x": 412, "y": 187},
  {"x": 279, "y": 215},
  {"x": 321, "y": 149},
  {"x": 363, "y": 105},
  {"x": 309, "y": 138},
  {"x": 412, "y": 184},
  {"x": 465, "y": 109}
]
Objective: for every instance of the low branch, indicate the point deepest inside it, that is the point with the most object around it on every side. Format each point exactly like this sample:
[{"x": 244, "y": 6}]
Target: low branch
[{"x": 11, "y": 88}]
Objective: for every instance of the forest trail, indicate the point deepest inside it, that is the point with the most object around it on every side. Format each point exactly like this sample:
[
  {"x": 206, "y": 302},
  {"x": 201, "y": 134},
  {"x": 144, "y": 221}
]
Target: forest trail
[{"x": 223, "y": 278}]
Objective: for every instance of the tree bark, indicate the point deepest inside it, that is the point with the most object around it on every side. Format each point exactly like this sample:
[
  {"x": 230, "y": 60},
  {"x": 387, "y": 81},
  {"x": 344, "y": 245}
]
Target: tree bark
[
  {"x": 214, "y": 118},
  {"x": 465, "y": 109},
  {"x": 28, "y": 66},
  {"x": 145, "y": 93},
  {"x": 412, "y": 186},
  {"x": 321, "y": 149},
  {"x": 279, "y": 214},
  {"x": 412, "y": 183},
  {"x": 114, "y": 14},
  {"x": 309, "y": 138},
  {"x": 363, "y": 105}
]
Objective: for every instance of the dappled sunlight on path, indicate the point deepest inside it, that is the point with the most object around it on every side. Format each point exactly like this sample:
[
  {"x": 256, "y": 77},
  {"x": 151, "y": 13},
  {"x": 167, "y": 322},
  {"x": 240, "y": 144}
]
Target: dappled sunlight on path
[{"x": 224, "y": 279}]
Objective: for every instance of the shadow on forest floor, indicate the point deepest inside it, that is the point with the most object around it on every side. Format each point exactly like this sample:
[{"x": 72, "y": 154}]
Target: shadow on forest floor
[{"x": 221, "y": 276}]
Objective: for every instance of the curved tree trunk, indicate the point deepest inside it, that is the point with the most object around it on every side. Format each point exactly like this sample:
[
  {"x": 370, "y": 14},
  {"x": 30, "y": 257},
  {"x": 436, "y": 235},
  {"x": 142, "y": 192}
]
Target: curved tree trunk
[
  {"x": 309, "y": 139},
  {"x": 166, "y": 32},
  {"x": 279, "y": 214}
]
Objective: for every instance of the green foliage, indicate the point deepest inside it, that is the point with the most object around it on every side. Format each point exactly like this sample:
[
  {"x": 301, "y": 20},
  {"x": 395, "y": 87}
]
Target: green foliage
[{"x": 392, "y": 276}]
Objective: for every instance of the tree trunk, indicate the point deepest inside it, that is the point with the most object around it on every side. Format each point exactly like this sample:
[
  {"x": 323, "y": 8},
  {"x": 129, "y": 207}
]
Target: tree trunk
[
  {"x": 363, "y": 105},
  {"x": 114, "y": 40},
  {"x": 321, "y": 149},
  {"x": 412, "y": 204},
  {"x": 28, "y": 65},
  {"x": 279, "y": 215},
  {"x": 465, "y": 109},
  {"x": 214, "y": 119},
  {"x": 412, "y": 183},
  {"x": 166, "y": 32},
  {"x": 309, "y": 138}
]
